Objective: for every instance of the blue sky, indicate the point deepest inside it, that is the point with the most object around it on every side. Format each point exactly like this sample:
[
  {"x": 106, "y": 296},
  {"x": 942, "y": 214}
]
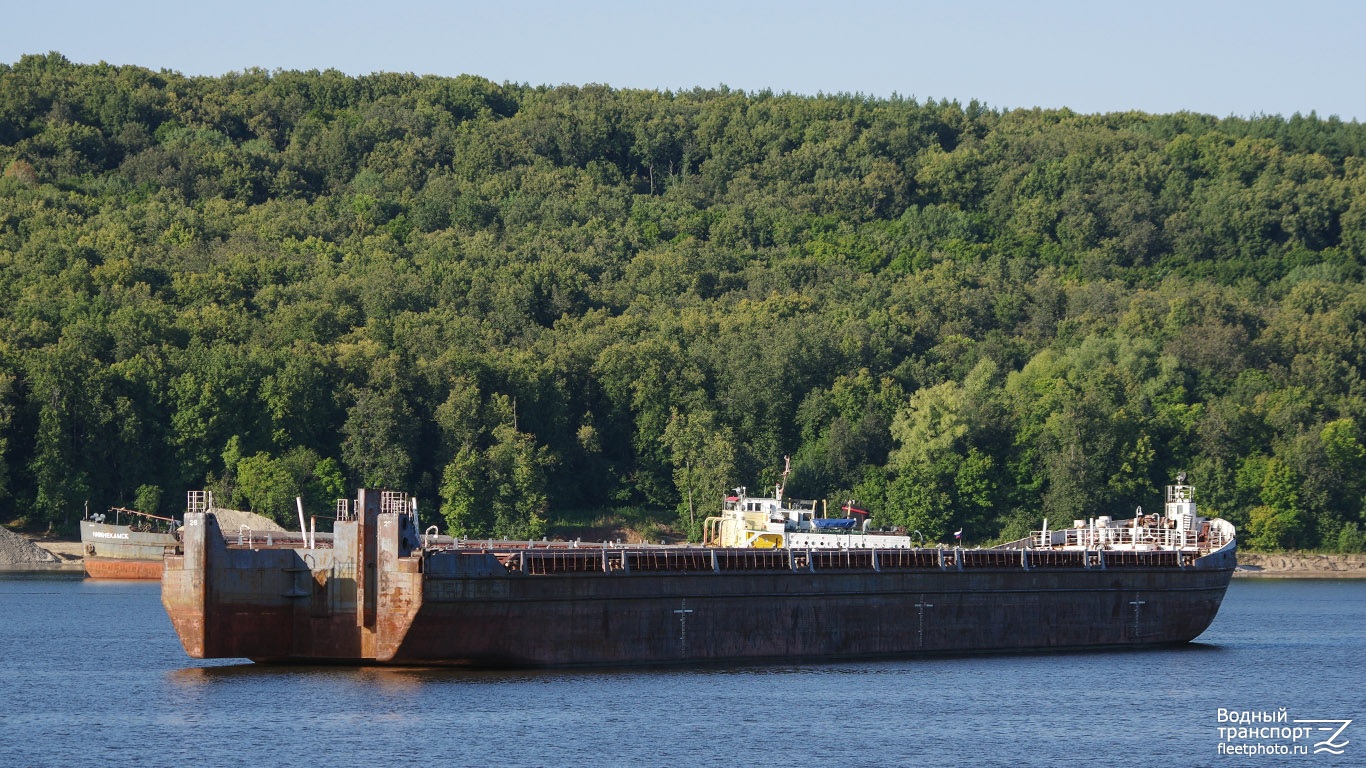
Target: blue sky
[{"x": 1216, "y": 57}]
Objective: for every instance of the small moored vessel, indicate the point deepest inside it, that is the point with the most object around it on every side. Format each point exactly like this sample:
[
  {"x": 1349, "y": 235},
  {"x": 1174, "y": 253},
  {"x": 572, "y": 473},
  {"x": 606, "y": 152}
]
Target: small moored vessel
[{"x": 125, "y": 543}]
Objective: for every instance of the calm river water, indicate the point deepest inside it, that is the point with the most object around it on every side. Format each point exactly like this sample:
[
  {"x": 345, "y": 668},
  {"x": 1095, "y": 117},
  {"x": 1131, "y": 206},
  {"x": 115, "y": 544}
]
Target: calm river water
[{"x": 93, "y": 675}]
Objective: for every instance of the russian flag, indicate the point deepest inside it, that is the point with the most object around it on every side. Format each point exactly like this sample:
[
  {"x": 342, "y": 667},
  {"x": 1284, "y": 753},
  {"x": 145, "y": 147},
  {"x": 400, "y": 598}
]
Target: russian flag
[{"x": 958, "y": 534}]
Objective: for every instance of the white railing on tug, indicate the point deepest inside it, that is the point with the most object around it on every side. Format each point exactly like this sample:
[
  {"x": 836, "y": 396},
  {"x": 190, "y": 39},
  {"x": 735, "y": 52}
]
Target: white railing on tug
[
  {"x": 1180, "y": 528},
  {"x": 1128, "y": 537}
]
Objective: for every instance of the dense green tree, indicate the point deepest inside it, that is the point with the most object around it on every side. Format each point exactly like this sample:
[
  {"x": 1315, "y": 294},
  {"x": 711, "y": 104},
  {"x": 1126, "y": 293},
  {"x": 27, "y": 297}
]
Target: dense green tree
[
  {"x": 946, "y": 478},
  {"x": 703, "y": 457},
  {"x": 499, "y": 491},
  {"x": 379, "y": 438},
  {"x": 270, "y": 485},
  {"x": 6, "y": 428}
]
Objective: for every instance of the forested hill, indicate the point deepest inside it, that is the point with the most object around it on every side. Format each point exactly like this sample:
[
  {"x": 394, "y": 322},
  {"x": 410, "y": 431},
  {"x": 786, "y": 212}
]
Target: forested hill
[{"x": 511, "y": 300}]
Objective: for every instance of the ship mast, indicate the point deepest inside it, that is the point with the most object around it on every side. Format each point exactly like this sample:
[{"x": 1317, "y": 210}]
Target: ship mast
[{"x": 778, "y": 489}]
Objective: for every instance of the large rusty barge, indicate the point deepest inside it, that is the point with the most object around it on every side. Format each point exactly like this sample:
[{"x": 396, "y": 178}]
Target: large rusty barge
[{"x": 770, "y": 584}]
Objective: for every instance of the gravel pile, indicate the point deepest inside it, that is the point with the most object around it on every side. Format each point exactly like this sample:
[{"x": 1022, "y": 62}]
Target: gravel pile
[
  {"x": 17, "y": 550},
  {"x": 233, "y": 519}
]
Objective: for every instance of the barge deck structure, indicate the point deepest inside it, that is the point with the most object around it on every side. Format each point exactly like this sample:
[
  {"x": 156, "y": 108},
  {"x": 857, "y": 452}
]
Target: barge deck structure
[{"x": 379, "y": 591}]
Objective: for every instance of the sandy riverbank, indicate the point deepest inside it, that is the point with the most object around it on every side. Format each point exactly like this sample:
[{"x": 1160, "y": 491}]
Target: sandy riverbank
[
  {"x": 1301, "y": 566},
  {"x": 66, "y": 549}
]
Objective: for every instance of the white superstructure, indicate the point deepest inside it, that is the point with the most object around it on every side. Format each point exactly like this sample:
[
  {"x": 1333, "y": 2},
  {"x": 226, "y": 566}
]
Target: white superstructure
[
  {"x": 1179, "y": 528},
  {"x": 772, "y": 522}
]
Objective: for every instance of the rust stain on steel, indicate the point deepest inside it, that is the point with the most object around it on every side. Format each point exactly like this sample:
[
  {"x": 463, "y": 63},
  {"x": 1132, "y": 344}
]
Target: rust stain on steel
[{"x": 119, "y": 568}]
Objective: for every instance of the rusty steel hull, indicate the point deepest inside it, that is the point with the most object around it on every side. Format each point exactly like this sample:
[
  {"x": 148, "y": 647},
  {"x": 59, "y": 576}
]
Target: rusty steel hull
[
  {"x": 376, "y": 598},
  {"x": 121, "y": 568}
]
